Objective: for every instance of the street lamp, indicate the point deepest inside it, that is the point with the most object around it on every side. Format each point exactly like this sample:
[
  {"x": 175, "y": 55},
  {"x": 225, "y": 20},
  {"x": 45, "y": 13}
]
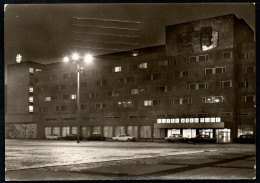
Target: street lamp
[{"x": 75, "y": 58}]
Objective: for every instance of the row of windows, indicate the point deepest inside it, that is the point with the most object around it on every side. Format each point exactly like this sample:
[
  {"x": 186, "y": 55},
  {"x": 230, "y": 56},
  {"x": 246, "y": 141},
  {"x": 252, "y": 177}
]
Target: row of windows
[
  {"x": 155, "y": 76},
  {"x": 175, "y": 101}
]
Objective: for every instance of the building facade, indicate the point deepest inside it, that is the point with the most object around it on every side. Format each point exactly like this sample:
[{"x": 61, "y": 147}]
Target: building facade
[{"x": 202, "y": 81}]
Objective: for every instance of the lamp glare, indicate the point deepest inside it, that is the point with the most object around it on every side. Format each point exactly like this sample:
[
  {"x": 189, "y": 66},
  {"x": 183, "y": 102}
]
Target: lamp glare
[
  {"x": 75, "y": 56},
  {"x": 88, "y": 58},
  {"x": 66, "y": 59}
]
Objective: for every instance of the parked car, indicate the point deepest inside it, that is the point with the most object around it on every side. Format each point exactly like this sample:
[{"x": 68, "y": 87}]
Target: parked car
[
  {"x": 176, "y": 138},
  {"x": 96, "y": 137},
  {"x": 202, "y": 138},
  {"x": 124, "y": 137},
  {"x": 53, "y": 137},
  {"x": 70, "y": 137},
  {"x": 245, "y": 139}
]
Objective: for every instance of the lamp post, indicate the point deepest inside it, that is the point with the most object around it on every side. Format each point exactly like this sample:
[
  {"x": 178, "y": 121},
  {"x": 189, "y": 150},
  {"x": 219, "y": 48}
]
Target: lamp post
[{"x": 75, "y": 58}]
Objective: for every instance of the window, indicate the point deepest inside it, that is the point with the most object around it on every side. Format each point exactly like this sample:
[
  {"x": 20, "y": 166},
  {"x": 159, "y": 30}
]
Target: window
[
  {"x": 125, "y": 80},
  {"x": 61, "y": 108},
  {"x": 30, "y": 89},
  {"x": 30, "y": 99},
  {"x": 117, "y": 69},
  {"x": 31, "y": 70},
  {"x": 197, "y": 86},
  {"x": 243, "y": 84},
  {"x": 214, "y": 99},
  {"x": 199, "y": 58},
  {"x": 53, "y": 98},
  {"x": 243, "y": 56},
  {"x": 73, "y": 96},
  {"x": 30, "y": 108},
  {"x": 101, "y": 83},
  {"x": 47, "y": 99},
  {"x": 125, "y": 104},
  {"x": 182, "y": 101},
  {"x": 217, "y": 70},
  {"x": 225, "y": 84},
  {"x": 134, "y": 91},
  {"x": 180, "y": 74},
  {"x": 153, "y": 76},
  {"x": 83, "y": 106},
  {"x": 225, "y": 114},
  {"x": 163, "y": 63},
  {"x": 83, "y": 84},
  {"x": 151, "y": 102},
  {"x": 113, "y": 94},
  {"x": 249, "y": 69},
  {"x": 142, "y": 66},
  {"x": 92, "y": 95},
  {"x": 36, "y": 80},
  {"x": 249, "y": 98},
  {"x": 66, "y": 97},
  {"x": 51, "y": 78},
  {"x": 66, "y": 76},
  {"x": 226, "y": 55},
  {"x": 133, "y": 67},
  {"x": 62, "y": 87},
  {"x": 101, "y": 106},
  {"x": 166, "y": 88}
]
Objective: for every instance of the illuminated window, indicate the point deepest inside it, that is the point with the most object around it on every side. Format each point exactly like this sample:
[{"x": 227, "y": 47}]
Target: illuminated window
[
  {"x": 30, "y": 70},
  {"x": 30, "y": 108},
  {"x": 30, "y": 89},
  {"x": 214, "y": 99},
  {"x": 151, "y": 102},
  {"x": 117, "y": 69},
  {"x": 30, "y": 99},
  {"x": 73, "y": 96},
  {"x": 47, "y": 98},
  {"x": 142, "y": 66},
  {"x": 125, "y": 104},
  {"x": 134, "y": 91}
]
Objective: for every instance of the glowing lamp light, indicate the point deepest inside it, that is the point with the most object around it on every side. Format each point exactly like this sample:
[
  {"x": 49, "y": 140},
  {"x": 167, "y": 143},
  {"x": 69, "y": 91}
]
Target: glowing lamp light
[
  {"x": 88, "y": 58},
  {"x": 66, "y": 59},
  {"x": 18, "y": 58},
  {"x": 75, "y": 56},
  {"x": 216, "y": 100}
]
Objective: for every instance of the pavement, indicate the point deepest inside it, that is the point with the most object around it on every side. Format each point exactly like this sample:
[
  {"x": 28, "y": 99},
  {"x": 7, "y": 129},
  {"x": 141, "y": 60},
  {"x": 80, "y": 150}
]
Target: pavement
[{"x": 175, "y": 162}]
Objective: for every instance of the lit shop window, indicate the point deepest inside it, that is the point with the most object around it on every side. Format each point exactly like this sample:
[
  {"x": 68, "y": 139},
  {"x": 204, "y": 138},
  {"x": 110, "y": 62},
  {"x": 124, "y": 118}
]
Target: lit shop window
[
  {"x": 73, "y": 96},
  {"x": 214, "y": 99},
  {"x": 31, "y": 70},
  {"x": 117, "y": 69},
  {"x": 180, "y": 74},
  {"x": 30, "y": 89},
  {"x": 182, "y": 101},
  {"x": 249, "y": 98},
  {"x": 125, "y": 104},
  {"x": 197, "y": 86},
  {"x": 226, "y": 55},
  {"x": 151, "y": 102},
  {"x": 30, "y": 108},
  {"x": 217, "y": 70},
  {"x": 226, "y": 84},
  {"x": 30, "y": 99}
]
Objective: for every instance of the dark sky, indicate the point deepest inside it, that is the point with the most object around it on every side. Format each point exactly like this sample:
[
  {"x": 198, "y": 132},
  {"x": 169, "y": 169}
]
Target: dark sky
[{"x": 44, "y": 33}]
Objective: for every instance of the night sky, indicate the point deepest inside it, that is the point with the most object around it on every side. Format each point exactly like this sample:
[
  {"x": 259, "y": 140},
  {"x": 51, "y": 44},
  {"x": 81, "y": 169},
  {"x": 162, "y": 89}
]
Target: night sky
[{"x": 47, "y": 33}]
